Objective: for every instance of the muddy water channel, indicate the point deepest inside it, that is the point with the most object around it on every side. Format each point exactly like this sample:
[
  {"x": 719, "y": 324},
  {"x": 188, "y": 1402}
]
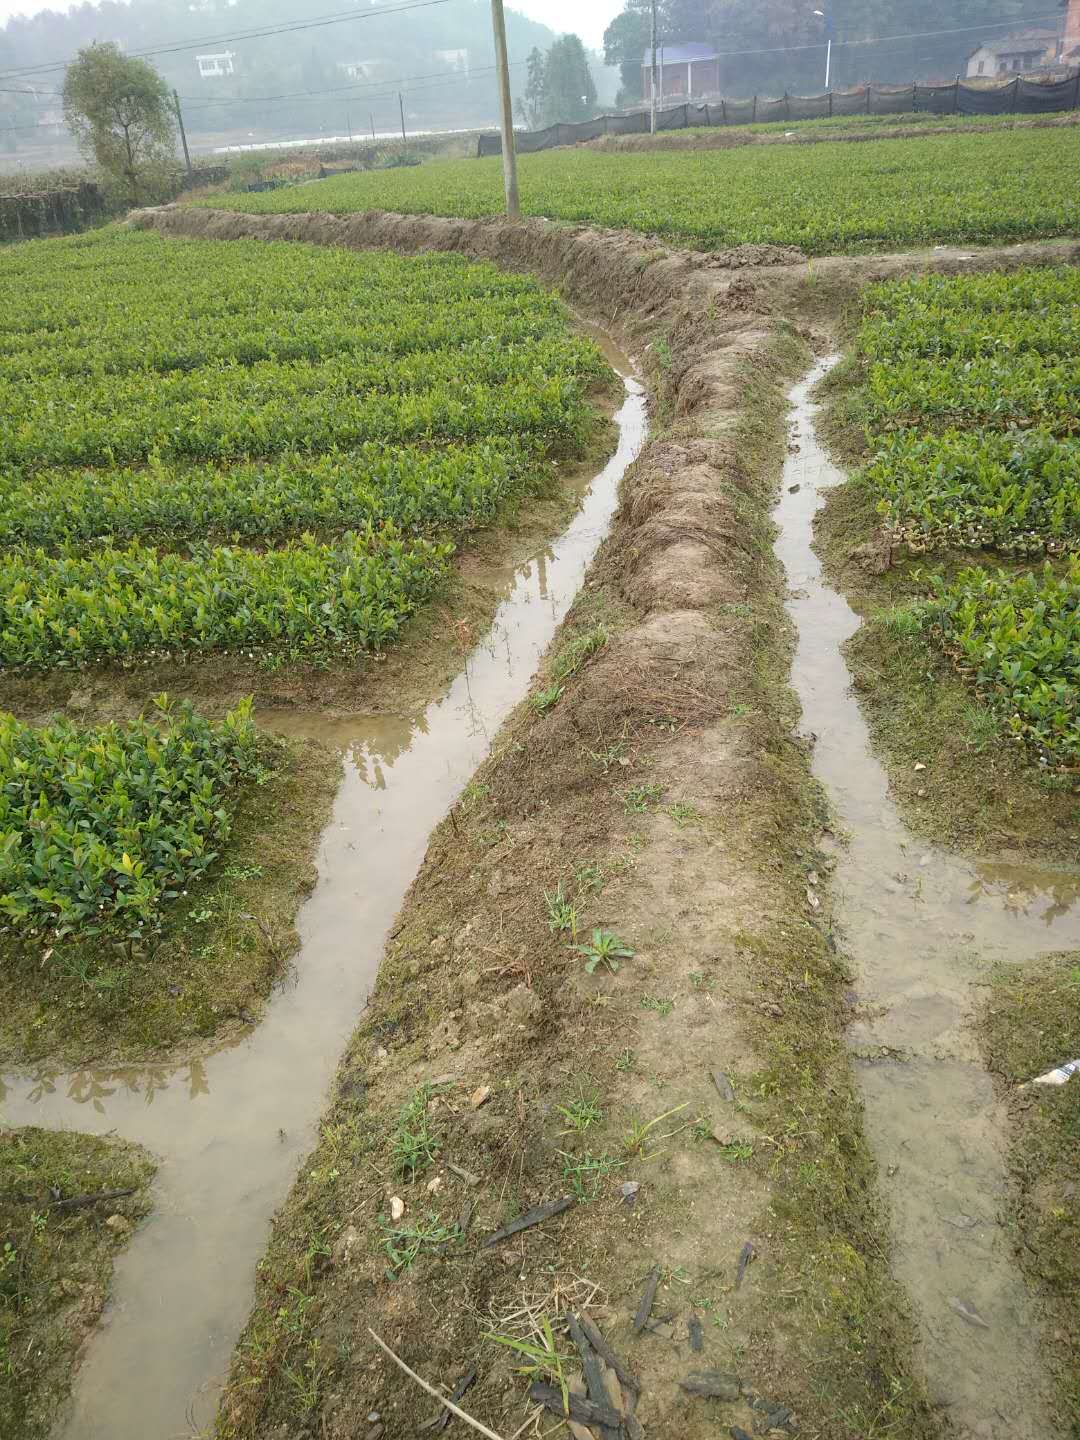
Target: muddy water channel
[
  {"x": 231, "y": 1129},
  {"x": 923, "y": 930}
]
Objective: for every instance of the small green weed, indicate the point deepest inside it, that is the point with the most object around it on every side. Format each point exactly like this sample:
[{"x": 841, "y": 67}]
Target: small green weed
[
  {"x": 663, "y": 1008},
  {"x": 684, "y": 815},
  {"x": 585, "y": 1173},
  {"x": 637, "y": 800},
  {"x": 581, "y": 1111},
  {"x": 604, "y": 948},
  {"x": 404, "y": 1243},
  {"x": 571, "y": 658},
  {"x": 626, "y": 1061},
  {"x": 561, "y": 915},
  {"x": 545, "y": 699},
  {"x": 415, "y": 1143},
  {"x": 701, "y": 981},
  {"x": 635, "y": 1138}
]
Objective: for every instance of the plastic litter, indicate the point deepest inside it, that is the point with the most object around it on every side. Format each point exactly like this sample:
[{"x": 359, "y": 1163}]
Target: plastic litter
[{"x": 1058, "y": 1076}]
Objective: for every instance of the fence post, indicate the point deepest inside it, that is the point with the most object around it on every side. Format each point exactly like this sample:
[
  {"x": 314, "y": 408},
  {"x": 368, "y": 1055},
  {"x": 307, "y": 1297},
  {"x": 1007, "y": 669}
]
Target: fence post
[
  {"x": 723, "y": 105},
  {"x": 1076, "y": 91},
  {"x": 753, "y": 114},
  {"x": 830, "y": 104},
  {"x": 868, "y": 97},
  {"x": 914, "y": 93},
  {"x": 787, "y": 106},
  {"x": 1016, "y": 91}
]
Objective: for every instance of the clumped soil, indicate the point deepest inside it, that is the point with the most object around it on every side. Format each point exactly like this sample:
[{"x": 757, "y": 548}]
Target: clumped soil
[
  {"x": 56, "y": 1260},
  {"x": 1031, "y": 1024}
]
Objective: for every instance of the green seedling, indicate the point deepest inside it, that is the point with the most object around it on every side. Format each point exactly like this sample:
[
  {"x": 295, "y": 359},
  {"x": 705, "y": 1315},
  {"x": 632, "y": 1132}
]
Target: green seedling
[
  {"x": 561, "y": 915},
  {"x": 581, "y": 1112},
  {"x": 415, "y": 1143},
  {"x": 604, "y": 948},
  {"x": 584, "y": 1173},
  {"x": 571, "y": 659},
  {"x": 638, "y": 798},
  {"x": 541, "y": 1359},
  {"x": 635, "y": 1138},
  {"x": 663, "y": 1008},
  {"x": 404, "y": 1243},
  {"x": 626, "y": 1061},
  {"x": 545, "y": 699},
  {"x": 684, "y": 815}
]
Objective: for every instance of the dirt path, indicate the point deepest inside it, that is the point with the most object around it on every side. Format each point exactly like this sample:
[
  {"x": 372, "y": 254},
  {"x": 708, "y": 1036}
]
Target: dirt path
[{"x": 664, "y": 794}]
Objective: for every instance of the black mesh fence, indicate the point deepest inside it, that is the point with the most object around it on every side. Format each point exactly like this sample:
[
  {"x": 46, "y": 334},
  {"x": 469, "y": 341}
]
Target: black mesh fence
[{"x": 1015, "y": 97}]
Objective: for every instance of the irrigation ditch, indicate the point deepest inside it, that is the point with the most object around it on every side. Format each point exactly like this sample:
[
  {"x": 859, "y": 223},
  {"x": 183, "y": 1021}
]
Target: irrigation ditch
[{"x": 788, "y": 1208}]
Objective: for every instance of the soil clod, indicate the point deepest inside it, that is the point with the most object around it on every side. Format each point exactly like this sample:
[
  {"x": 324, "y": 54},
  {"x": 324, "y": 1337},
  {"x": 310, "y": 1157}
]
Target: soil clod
[{"x": 696, "y": 1333}]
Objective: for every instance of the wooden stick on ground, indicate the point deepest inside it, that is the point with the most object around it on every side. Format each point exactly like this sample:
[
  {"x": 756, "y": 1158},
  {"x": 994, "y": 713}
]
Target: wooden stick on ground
[{"x": 435, "y": 1394}]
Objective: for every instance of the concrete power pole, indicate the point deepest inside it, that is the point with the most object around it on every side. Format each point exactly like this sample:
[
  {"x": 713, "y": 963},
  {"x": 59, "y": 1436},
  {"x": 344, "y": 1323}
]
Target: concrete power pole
[
  {"x": 506, "y": 113},
  {"x": 652, "y": 76},
  {"x": 183, "y": 132}
]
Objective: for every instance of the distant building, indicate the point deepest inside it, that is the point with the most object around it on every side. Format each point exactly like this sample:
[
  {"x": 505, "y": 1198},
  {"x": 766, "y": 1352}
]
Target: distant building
[
  {"x": 211, "y": 66},
  {"x": 456, "y": 59},
  {"x": 1023, "y": 53},
  {"x": 363, "y": 69},
  {"x": 684, "y": 70}
]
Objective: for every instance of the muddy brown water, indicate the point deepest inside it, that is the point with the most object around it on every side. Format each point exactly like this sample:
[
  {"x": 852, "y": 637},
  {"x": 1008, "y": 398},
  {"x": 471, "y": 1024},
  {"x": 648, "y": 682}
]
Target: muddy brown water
[
  {"x": 230, "y": 1129},
  {"x": 923, "y": 929}
]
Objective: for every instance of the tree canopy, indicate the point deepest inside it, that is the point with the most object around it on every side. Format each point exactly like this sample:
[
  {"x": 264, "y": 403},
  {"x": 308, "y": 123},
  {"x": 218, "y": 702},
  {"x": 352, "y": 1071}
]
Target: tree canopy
[{"x": 120, "y": 113}]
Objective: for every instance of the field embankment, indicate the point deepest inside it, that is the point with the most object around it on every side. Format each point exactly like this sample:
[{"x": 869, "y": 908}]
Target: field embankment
[{"x": 895, "y": 194}]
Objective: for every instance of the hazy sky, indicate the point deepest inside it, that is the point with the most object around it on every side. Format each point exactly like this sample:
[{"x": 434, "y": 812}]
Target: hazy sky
[{"x": 588, "y": 18}]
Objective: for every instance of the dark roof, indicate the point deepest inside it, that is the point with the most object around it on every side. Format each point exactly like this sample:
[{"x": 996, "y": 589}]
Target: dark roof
[
  {"x": 680, "y": 54},
  {"x": 1018, "y": 43}
]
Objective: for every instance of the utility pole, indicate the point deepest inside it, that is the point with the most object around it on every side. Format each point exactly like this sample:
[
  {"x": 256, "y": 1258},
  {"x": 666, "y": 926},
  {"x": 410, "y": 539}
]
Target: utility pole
[
  {"x": 401, "y": 108},
  {"x": 506, "y": 113},
  {"x": 371, "y": 117},
  {"x": 183, "y": 133},
  {"x": 348, "y": 125},
  {"x": 652, "y": 76}
]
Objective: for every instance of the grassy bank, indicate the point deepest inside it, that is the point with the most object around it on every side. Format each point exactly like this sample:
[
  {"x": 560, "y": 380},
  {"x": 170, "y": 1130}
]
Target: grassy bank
[
  {"x": 1031, "y": 1024},
  {"x": 56, "y": 1260}
]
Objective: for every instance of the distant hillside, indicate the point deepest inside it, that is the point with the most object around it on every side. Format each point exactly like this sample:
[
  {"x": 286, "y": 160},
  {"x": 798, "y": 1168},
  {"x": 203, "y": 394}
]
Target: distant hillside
[{"x": 323, "y": 80}]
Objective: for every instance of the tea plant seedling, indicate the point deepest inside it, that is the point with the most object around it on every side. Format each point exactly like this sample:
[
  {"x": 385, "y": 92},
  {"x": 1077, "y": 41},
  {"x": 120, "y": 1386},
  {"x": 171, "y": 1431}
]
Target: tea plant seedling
[
  {"x": 638, "y": 798},
  {"x": 604, "y": 948},
  {"x": 561, "y": 915},
  {"x": 662, "y": 1007}
]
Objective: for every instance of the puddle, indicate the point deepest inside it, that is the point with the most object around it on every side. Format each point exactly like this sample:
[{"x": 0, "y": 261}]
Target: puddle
[
  {"x": 923, "y": 929},
  {"x": 231, "y": 1129}
]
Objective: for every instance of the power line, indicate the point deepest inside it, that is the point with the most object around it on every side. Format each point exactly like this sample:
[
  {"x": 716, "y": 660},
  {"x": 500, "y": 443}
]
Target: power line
[
  {"x": 289, "y": 27},
  {"x": 411, "y": 81}
]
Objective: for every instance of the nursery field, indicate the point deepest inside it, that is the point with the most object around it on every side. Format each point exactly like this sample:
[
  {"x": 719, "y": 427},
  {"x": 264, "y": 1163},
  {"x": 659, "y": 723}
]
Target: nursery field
[
  {"x": 889, "y": 194},
  {"x": 350, "y": 413},
  {"x": 970, "y": 394}
]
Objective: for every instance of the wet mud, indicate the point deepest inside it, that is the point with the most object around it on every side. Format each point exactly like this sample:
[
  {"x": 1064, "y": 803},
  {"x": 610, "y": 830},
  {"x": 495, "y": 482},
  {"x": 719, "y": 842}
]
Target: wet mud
[
  {"x": 923, "y": 929},
  {"x": 230, "y": 1129}
]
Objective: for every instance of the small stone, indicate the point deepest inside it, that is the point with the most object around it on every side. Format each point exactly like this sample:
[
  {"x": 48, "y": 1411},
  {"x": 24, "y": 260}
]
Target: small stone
[
  {"x": 921, "y": 794},
  {"x": 919, "y": 766},
  {"x": 397, "y": 1207},
  {"x": 793, "y": 489},
  {"x": 480, "y": 1096},
  {"x": 629, "y": 1191},
  {"x": 434, "y": 1186},
  {"x": 118, "y": 1225}
]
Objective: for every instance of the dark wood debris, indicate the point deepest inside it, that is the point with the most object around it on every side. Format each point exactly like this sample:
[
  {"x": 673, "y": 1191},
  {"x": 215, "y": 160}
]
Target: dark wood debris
[
  {"x": 648, "y": 1295},
  {"x": 528, "y": 1220}
]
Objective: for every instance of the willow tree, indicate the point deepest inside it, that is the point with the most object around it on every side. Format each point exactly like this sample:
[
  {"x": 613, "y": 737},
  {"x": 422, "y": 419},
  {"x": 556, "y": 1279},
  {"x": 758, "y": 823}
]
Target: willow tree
[{"x": 119, "y": 111}]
